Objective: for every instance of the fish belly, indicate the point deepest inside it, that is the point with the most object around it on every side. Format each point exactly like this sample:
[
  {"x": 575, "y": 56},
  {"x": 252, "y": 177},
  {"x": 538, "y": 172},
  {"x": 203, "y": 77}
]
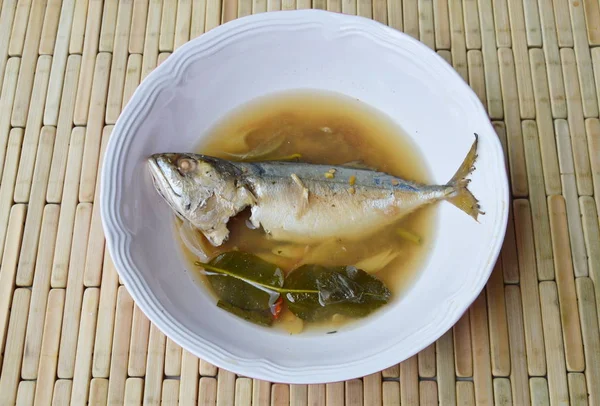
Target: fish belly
[{"x": 286, "y": 214}]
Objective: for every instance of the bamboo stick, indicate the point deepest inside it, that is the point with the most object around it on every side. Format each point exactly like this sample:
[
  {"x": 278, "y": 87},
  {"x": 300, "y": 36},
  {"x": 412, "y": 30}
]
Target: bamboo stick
[
  {"x": 502, "y": 395},
  {"x": 588, "y": 313},
  {"x": 9, "y": 265},
  {"x": 317, "y": 395},
  {"x": 499, "y": 344},
  {"x": 575, "y": 117},
  {"x": 68, "y": 208},
  {"x": 445, "y": 369},
  {"x": 140, "y": 330},
  {"x": 50, "y": 27},
  {"x": 426, "y": 30},
  {"x": 566, "y": 285},
  {"x": 557, "y": 377},
  {"x": 544, "y": 122},
  {"x": 166, "y": 39},
  {"x": 298, "y": 395},
  {"x": 578, "y": 394},
  {"x": 583, "y": 61},
  {"x": 563, "y": 23},
  {"x": 183, "y": 21},
  {"x": 261, "y": 391},
  {"x": 13, "y": 351},
  {"x": 354, "y": 393},
  {"x": 35, "y": 208},
  {"x": 552, "y": 58},
  {"x": 134, "y": 390},
  {"x": 441, "y": 24},
  {"x": 534, "y": 334},
  {"x": 59, "y": 61},
  {"x": 7, "y": 96},
  {"x": 71, "y": 324},
  {"x": 64, "y": 123},
  {"x": 25, "y": 393},
  {"x": 98, "y": 392},
  {"x": 428, "y": 393},
  {"x": 48, "y": 354},
  {"x": 32, "y": 129},
  {"x": 172, "y": 359},
  {"x": 170, "y": 392},
  {"x": 537, "y": 198},
  {"x": 490, "y": 61},
  {"x": 502, "y": 24},
  {"x": 120, "y": 389},
  {"x": 106, "y": 318},
  {"x": 62, "y": 392},
  {"x": 518, "y": 355},
  {"x": 482, "y": 377},
  {"x": 426, "y": 360},
  {"x": 334, "y": 394},
  {"x": 109, "y": 22},
  {"x": 154, "y": 366},
  {"x": 28, "y": 63},
  {"x": 7, "y": 14},
  {"x": 7, "y": 183},
  {"x": 372, "y": 389},
  {"x": 85, "y": 345},
  {"x": 88, "y": 61},
  {"x": 95, "y": 247},
  {"x": 78, "y": 27},
  {"x": 516, "y": 154},
  {"x": 152, "y": 36},
  {"x": 188, "y": 389},
  {"x": 198, "y": 23},
  {"x": 118, "y": 68},
  {"x": 539, "y": 391},
  {"x": 391, "y": 393},
  {"x": 410, "y": 11},
  {"x": 565, "y": 160},
  {"x": 39, "y": 295},
  {"x": 94, "y": 128},
  {"x": 409, "y": 381}
]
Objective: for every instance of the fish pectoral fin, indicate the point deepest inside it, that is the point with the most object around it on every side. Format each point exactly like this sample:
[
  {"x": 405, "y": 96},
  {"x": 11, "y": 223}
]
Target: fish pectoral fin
[
  {"x": 303, "y": 204},
  {"x": 217, "y": 235}
]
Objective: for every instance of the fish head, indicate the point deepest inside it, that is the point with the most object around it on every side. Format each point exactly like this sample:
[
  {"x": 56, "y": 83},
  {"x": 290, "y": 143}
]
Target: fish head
[{"x": 202, "y": 190}]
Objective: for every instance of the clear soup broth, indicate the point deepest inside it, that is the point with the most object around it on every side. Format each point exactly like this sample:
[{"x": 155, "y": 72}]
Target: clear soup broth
[{"x": 323, "y": 128}]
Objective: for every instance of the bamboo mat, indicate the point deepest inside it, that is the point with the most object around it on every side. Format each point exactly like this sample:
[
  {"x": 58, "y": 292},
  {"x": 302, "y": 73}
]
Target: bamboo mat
[{"x": 71, "y": 334}]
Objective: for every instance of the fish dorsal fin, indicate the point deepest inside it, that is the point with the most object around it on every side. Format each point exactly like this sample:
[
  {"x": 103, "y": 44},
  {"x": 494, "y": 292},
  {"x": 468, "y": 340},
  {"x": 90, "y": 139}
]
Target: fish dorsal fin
[{"x": 358, "y": 164}]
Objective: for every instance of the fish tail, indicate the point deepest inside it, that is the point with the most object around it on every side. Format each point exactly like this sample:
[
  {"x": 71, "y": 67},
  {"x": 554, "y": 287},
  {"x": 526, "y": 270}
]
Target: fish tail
[{"x": 459, "y": 195}]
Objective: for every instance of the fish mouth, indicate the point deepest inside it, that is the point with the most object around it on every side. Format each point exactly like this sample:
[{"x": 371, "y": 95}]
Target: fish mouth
[{"x": 158, "y": 177}]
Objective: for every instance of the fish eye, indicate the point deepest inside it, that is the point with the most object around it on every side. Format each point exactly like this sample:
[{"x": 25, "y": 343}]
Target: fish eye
[{"x": 185, "y": 165}]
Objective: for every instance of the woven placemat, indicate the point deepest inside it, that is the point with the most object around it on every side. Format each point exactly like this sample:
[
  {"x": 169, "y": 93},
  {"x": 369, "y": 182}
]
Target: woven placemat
[{"x": 71, "y": 334}]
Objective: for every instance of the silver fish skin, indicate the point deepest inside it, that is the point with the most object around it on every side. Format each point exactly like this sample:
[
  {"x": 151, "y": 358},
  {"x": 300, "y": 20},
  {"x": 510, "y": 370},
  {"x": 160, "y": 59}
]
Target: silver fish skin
[{"x": 297, "y": 202}]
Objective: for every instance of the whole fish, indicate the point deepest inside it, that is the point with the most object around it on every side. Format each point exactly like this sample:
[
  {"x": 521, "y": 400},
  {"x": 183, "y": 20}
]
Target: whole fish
[{"x": 297, "y": 202}]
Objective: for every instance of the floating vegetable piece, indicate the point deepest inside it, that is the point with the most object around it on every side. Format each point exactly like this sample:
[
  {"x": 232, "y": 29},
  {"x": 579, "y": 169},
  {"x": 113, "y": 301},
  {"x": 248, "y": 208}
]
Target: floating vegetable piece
[
  {"x": 341, "y": 290},
  {"x": 378, "y": 261},
  {"x": 263, "y": 149},
  {"x": 291, "y": 323},
  {"x": 244, "y": 280},
  {"x": 261, "y": 317},
  {"x": 408, "y": 235}
]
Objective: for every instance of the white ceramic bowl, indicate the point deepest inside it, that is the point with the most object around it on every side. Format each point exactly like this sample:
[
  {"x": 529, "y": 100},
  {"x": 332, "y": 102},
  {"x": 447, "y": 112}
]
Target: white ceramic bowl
[{"x": 253, "y": 56}]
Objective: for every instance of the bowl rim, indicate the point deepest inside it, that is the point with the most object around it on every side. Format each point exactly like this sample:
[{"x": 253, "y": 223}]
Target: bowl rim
[{"x": 116, "y": 241}]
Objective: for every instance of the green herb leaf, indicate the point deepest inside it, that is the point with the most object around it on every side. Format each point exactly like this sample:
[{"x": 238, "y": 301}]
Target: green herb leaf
[
  {"x": 341, "y": 290},
  {"x": 248, "y": 286},
  {"x": 261, "y": 317},
  {"x": 244, "y": 280}
]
